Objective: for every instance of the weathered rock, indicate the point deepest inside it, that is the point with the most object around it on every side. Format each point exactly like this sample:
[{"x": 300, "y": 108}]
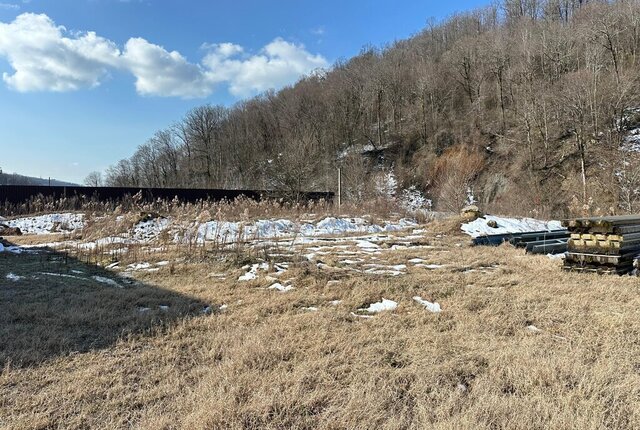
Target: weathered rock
[
  {"x": 5, "y": 230},
  {"x": 492, "y": 223},
  {"x": 148, "y": 216},
  {"x": 470, "y": 213}
]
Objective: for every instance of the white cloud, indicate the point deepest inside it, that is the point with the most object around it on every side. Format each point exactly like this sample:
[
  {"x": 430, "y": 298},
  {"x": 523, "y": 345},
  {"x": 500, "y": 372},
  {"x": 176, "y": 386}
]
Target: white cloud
[
  {"x": 46, "y": 57},
  {"x": 9, "y": 6},
  {"x": 318, "y": 31},
  {"x": 159, "y": 72},
  {"x": 279, "y": 63}
]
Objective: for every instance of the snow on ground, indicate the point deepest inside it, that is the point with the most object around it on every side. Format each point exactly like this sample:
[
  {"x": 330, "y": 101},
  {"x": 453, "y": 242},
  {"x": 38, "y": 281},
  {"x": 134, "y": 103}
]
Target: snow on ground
[
  {"x": 61, "y": 275},
  {"x": 139, "y": 266},
  {"x": 253, "y": 271},
  {"x": 417, "y": 261},
  {"x": 13, "y": 277},
  {"x": 384, "y": 305},
  {"x": 632, "y": 140},
  {"x": 228, "y": 231},
  {"x": 430, "y": 266},
  {"x": 431, "y": 307},
  {"x": 51, "y": 223},
  {"x": 479, "y": 227},
  {"x": 12, "y": 249},
  {"x": 282, "y": 288},
  {"x": 107, "y": 281},
  {"x": 148, "y": 230}
]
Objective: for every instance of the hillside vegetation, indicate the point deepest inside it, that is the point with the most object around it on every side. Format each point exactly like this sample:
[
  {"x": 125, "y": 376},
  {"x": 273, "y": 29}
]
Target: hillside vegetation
[
  {"x": 527, "y": 105},
  {"x": 15, "y": 179}
]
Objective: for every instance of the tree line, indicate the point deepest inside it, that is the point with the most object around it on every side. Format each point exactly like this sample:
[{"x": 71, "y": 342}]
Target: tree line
[{"x": 526, "y": 104}]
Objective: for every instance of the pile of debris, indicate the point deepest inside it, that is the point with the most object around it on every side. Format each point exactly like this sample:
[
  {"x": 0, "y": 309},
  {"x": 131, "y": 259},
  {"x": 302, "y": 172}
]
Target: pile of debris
[{"x": 603, "y": 244}]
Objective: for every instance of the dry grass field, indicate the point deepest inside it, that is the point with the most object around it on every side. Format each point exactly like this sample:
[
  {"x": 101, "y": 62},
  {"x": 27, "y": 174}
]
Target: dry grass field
[{"x": 518, "y": 344}]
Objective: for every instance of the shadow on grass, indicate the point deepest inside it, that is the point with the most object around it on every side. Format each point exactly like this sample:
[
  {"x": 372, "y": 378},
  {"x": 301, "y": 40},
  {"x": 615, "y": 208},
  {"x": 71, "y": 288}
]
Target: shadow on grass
[{"x": 53, "y": 305}]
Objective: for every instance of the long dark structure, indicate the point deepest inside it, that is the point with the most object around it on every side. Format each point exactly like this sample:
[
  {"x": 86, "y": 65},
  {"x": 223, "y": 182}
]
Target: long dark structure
[
  {"x": 536, "y": 242},
  {"x": 603, "y": 244},
  {"x": 16, "y": 194}
]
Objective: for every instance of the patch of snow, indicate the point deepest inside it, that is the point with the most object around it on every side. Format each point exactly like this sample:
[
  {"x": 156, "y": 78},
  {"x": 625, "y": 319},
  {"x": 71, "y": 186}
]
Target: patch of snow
[
  {"x": 151, "y": 229},
  {"x": 249, "y": 276},
  {"x": 430, "y": 266},
  {"x": 107, "y": 281},
  {"x": 139, "y": 266},
  {"x": 51, "y": 223},
  {"x": 14, "y": 249},
  {"x": 417, "y": 260},
  {"x": 560, "y": 256},
  {"x": 386, "y": 184},
  {"x": 253, "y": 271},
  {"x": 282, "y": 288},
  {"x": 431, "y": 307},
  {"x": 413, "y": 200},
  {"x": 533, "y": 328},
  {"x": 384, "y": 272},
  {"x": 365, "y": 244},
  {"x": 163, "y": 308},
  {"x": 231, "y": 232},
  {"x": 61, "y": 275},
  {"x": 397, "y": 267},
  {"x": 384, "y": 305},
  {"x": 347, "y": 261},
  {"x": 479, "y": 227},
  {"x": 13, "y": 277},
  {"x": 310, "y": 309},
  {"x": 361, "y": 316}
]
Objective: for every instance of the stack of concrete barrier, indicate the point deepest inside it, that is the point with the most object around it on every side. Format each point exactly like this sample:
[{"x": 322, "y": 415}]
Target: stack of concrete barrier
[{"x": 603, "y": 244}]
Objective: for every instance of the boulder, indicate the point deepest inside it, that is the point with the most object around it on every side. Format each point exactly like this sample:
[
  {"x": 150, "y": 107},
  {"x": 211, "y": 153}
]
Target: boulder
[
  {"x": 492, "y": 223},
  {"x": 470, "y": 213}
]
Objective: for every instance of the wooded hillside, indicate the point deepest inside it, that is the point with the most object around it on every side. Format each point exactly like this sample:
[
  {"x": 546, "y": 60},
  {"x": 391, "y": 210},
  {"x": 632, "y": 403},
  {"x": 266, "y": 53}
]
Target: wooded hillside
[{"x": 528, "y": 105}]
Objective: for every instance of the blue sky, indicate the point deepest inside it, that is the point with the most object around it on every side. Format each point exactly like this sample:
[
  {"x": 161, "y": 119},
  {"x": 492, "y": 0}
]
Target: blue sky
[{"x": 86, "y": 81}]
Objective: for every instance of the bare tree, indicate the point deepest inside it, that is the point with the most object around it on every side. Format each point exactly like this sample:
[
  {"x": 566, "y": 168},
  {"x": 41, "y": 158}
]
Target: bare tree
[{"x": 93, "y": 179}]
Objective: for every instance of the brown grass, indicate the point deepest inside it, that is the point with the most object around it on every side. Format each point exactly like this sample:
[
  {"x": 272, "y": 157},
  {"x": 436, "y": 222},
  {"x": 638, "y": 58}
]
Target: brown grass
[{"x": 266, "y": 363}]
